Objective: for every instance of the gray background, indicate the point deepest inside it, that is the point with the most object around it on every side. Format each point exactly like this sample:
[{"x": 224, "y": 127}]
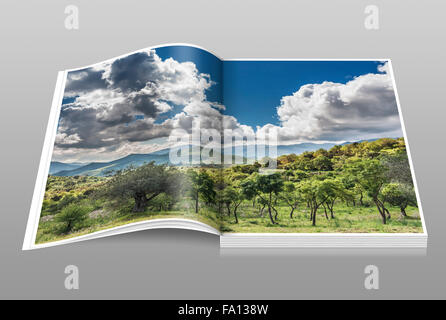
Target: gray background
[{"x": 182, "y": 264}]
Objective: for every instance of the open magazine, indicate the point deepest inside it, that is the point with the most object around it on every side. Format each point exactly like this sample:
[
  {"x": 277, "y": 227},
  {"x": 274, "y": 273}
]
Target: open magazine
[{"x": 262, "y": 153}]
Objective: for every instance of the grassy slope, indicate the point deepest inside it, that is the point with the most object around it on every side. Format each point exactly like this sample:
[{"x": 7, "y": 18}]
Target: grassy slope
[
  {"x": 61, "y": 187},
  {"x": 115, "y": 219}
]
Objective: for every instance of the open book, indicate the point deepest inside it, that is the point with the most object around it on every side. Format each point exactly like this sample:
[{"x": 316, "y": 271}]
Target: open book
[{"x": 262, "y": 153}]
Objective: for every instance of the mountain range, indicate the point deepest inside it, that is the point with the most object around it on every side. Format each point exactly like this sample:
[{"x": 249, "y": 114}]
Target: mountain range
[
  {"x": 57, "y": 166},
  {"x": 161, "y": 157}
]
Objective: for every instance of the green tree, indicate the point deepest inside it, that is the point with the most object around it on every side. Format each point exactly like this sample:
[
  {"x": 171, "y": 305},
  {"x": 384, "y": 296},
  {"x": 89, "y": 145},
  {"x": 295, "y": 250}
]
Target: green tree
[
  {"x": 316, "y": 192},
  {"x": 233, "y": 197},
  {"x": 399, "y": 194},
  {"x": 269, "y": 186},
  {"x": 218, "y": 176},
  {"x": 226, "y": 199},
  {"x": 371, "y": 175},
  {"x": 163, "y": 202},
  {"x": 300, "y": 175},
  {"x": 249, "y": 190},
  {"x": 322, "y": 163},
  {"x": 334, "y": 189},
  {"x": 351, "y": 187},
  {"x": 143, "y": 184},
  {"x": 291, "y": 196},
  {"x": 201, "y": 185}
]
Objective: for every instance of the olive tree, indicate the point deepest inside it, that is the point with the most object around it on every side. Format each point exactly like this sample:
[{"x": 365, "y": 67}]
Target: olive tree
[
  {"x": 371, "y": 175},
  {"x": 291, "y": 196},
  {"x": 316, "y": 192},
  {"x": 399, "y": 194},
  {"x": 269, "y": 186},
  {"x": 332, "y": 192},
  {"x": 249, "y": 190},
  {"x": 144, "y": 184},
  {"x": 233, "y": 196},
  {"x": 200, "y": 185}
]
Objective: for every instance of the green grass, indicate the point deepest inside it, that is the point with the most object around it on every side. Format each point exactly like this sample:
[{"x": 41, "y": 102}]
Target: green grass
[{"x": 347, "y": 220}]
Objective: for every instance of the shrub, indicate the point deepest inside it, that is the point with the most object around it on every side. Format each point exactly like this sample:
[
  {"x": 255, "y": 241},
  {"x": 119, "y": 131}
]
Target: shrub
[
  {"x": 163, "y": 202},
  {"x": 56, "y": 197},
  {"x": 65, "y": 201},
  {"x": 71, "y": 218}
]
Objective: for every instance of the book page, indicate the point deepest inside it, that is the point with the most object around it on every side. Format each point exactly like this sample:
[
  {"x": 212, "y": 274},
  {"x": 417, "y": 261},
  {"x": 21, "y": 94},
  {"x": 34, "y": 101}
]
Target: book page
[
  {"x": 321, "y": 148},
  {"x": 128, "y": 144}
]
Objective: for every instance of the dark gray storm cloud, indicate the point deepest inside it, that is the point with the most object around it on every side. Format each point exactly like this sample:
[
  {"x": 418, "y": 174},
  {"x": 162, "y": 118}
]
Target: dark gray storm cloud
[
  {"x": 85, "y": 80},
  {"x": 133, "y": 72}
]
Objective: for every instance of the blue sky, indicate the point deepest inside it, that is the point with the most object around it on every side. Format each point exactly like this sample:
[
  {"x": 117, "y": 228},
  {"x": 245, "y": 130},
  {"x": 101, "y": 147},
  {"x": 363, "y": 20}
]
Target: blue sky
[
  {"x": 253, "y": 89},
  {"x": 258, "y": 86}
]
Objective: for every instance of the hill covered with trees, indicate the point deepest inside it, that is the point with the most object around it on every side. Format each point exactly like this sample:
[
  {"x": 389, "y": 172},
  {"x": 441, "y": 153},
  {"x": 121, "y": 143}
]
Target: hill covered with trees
[{"x": 350, "y": 179}]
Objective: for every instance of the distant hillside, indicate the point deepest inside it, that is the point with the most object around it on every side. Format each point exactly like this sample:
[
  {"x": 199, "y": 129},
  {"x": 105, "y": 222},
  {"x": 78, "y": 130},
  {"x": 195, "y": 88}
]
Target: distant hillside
[
  {"x": 359, "y": 141},
  {"x": 103, "y": 168},
  {"x": 288, "y": 149},
  {"x": 57, "y": 166},
  {"x": 162, "y": 157},
  {"x": 302, "y": 147}
]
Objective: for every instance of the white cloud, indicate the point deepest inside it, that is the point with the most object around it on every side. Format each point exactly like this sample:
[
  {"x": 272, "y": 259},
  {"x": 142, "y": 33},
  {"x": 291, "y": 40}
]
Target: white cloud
[
  {"x": 362, "y": 108},
  {"x": 63, "y": 138}
]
